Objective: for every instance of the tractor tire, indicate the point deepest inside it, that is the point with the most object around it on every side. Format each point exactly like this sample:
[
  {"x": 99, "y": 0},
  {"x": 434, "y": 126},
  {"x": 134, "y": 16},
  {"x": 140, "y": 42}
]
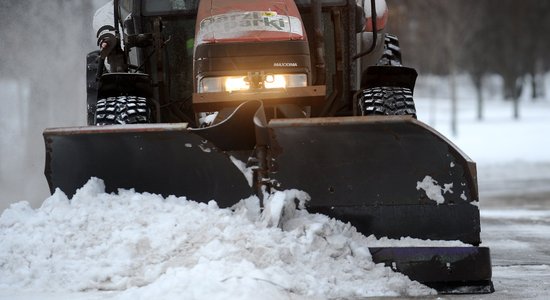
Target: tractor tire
[
  {"x": 122, "y": 110},
  {"x": 92, "y": 65},
  {"x": 392, "y": 52},
  {"x": 388, "y": 101}
]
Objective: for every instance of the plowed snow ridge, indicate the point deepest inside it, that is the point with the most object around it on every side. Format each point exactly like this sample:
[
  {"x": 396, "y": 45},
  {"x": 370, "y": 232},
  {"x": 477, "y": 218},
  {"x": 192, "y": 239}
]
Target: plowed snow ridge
[{"x": 149, "y": 247}]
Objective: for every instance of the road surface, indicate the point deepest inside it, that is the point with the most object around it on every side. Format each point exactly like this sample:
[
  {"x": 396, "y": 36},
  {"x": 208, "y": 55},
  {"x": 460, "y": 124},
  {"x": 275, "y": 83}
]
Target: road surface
[{"x": 515, "y": 224}]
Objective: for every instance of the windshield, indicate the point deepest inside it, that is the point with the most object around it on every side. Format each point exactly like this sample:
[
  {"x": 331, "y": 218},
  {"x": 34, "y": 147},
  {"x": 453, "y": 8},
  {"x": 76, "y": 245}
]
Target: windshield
[
  {"x": 307, "y": 3},
  {"x": 167, "y": 7}
]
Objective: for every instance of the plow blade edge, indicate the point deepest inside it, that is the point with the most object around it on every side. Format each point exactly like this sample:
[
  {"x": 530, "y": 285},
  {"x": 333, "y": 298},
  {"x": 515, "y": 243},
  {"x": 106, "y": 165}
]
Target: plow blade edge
[{"x": 449, "y": 270}]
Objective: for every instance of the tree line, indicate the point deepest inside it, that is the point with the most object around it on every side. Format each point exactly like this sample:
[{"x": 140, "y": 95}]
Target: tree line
[{"x": 477, "y": 37}]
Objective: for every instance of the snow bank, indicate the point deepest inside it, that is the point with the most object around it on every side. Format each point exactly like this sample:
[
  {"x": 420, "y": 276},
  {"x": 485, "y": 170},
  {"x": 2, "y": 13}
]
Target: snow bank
[{"x": 144, "y": 246}]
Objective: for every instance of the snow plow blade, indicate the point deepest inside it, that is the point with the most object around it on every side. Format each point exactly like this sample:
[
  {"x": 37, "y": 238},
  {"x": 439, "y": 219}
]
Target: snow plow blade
[
  {"x": 374, "y": 173},
  {"x": 166, "y": 159},
  {"x": 387, "y": 176},
  {"x": 390, "y": 177}
]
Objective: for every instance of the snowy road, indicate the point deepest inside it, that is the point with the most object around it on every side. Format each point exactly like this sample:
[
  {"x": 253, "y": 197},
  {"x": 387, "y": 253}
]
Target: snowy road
[
  {"x": 515, "y": 216},
  {"x": 519, "y": 242}
]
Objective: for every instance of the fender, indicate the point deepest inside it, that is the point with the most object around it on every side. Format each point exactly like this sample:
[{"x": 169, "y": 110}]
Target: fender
[
  {"x": 377, "y": 76},
  {"x": 118, "y": 84}
]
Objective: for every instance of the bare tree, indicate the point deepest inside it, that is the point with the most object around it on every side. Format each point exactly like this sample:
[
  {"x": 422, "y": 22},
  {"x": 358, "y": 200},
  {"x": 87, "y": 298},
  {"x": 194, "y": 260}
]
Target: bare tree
[
  {"x": 509, "y": 45},
  {"x": 505, "y": 37},
  {"x": 443, "y": 31}
]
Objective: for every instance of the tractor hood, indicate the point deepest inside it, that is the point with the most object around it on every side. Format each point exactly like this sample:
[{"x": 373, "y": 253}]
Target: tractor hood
[{"x": 221, "y": 21}]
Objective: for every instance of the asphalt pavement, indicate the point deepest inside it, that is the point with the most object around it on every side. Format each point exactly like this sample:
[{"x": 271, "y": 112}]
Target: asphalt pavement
[{"x": 515, "y": 225}]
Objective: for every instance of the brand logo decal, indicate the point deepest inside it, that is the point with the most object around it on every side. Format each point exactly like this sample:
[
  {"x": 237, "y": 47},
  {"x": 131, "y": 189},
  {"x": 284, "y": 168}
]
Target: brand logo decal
[
  {"x": 238, "y": 22},
  {"x": 285, "y": 64}
]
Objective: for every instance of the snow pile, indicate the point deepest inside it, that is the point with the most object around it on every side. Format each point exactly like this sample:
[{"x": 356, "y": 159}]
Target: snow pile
[
  {"x": 411, "y": 242},
  {"x": 147, "y": 247}
]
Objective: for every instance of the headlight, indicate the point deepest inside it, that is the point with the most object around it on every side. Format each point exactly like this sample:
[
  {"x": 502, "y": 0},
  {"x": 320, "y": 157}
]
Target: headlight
[
  {"x": 241, "y": 83},
  {"x": 235, "y": 84}
]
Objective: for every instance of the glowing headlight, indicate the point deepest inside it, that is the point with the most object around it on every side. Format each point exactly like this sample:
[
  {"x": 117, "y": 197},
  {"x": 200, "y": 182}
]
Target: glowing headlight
[
  {"x": 236, "y": 84},
  {"x": 240, "y": 83},
  {"x": 275, "y": 81}
]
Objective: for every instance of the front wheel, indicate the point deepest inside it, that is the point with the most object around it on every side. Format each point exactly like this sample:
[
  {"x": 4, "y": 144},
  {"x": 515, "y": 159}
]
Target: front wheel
[
  {"x": 122, "y": 110},
  {"x": 393, "y": 101}
]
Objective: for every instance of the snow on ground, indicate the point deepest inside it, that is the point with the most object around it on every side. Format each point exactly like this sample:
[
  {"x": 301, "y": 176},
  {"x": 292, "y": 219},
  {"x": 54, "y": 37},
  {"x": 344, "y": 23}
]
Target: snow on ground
[
  {"x": 142, "y": 246},
  {"x": 496, "y": 140}
]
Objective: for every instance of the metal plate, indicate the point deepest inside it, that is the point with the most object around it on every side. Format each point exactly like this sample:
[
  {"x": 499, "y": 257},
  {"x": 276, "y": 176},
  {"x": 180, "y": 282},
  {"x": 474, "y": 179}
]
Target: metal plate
[
  {"x": 449, "y": 270},
  {"x": 366, "y": 169},
  {"x": 164, "y": 159}
]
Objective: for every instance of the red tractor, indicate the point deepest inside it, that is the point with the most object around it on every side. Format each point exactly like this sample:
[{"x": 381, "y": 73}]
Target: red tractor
[{"x": 311, "y": 94}]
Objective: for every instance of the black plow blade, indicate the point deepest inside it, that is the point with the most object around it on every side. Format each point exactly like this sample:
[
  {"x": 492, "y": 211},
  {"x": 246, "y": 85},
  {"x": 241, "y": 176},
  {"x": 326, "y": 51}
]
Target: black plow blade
[
  {"x": 379, "y": 173},
  {"x": 390, "y": 177},
  {"x": 166, "y": 159},
  {"x": 163, "y": 159},
  {"x": 449, "y": 270}
]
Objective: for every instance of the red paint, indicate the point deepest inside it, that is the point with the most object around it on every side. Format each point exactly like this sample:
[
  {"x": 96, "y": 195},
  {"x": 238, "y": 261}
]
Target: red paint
[
  {"x": 248, "y": 21},
  {"x": 381, "y": 22}
]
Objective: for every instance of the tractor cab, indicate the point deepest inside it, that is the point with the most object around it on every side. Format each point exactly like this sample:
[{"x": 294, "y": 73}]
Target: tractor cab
[{"x": 204, "y": 56}]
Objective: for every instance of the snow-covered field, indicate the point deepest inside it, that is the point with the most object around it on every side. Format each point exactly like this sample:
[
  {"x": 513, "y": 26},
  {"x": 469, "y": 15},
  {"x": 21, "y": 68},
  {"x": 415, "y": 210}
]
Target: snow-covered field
[
  {"x": 142, "y": 246},
  {"x": 498, "y": 139}
]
